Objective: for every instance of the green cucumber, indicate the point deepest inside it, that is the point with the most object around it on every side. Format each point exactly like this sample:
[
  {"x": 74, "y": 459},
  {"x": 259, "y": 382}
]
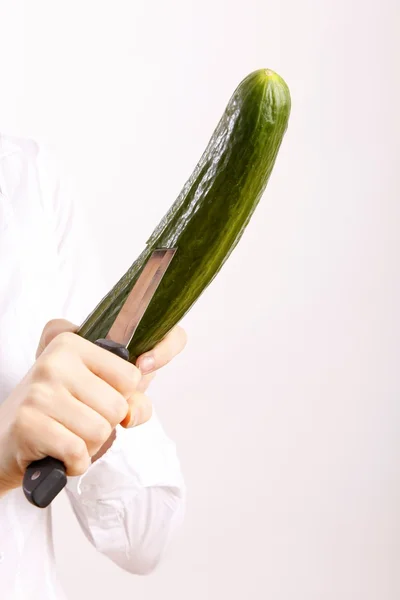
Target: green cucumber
[{"x": 209, "y": 216}]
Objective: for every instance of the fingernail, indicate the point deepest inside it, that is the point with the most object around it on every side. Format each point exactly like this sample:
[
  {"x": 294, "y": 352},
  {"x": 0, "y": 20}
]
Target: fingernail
[{"x": 146, "y": 364}]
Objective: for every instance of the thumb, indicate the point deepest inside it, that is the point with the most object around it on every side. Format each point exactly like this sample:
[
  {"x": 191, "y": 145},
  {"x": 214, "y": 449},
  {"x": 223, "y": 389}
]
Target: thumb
[{"x": 51, "y": 330}]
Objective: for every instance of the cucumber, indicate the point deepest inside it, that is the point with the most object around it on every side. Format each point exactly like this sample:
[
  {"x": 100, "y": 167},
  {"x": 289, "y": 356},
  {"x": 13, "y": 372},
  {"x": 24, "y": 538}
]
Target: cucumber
[{"x": 209, "y": 216}]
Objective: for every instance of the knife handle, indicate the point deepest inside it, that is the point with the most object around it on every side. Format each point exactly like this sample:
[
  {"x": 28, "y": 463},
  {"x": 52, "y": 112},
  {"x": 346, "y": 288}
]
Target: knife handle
[
  {"x": 113, "y": 347},
  {"x": 45, "y": 478}
]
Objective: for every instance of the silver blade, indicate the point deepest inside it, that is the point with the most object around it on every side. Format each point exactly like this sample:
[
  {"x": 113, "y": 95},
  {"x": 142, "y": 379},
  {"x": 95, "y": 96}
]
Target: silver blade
[{"x": 130, "y": 315}]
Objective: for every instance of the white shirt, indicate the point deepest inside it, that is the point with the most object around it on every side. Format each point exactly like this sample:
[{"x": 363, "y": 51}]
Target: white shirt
[{"x": 130, "y": 500}]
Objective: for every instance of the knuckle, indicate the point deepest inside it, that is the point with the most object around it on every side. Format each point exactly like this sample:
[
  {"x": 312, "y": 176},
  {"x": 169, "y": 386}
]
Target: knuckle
[
  {"x": 101, "y": 432},
  {"x": 75, "y": 451},
  {"x": 46, "y": 367},
  {"x": 137, "y": 376},
  {"x": 65, "y": 338},
  {"x": 134, "y": 375},
  {"x": 119, "y": 409},
  {"x": 50, "y": 326},
  {"x": 36, "y": 396}
]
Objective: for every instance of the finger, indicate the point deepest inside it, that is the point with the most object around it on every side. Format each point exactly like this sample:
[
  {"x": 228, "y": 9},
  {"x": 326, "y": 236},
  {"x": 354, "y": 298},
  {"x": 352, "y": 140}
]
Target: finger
[
  {"x": 51, "y": 330},
  {"x": 74, "y": 415},
  {"x": 140, "y": 410},
  {"x": 173, "y": 343},
  {"x": 50, "y": 438},
  {"x": 97, "y": 394},
  {"x": 145, "y": 382},
  {"x": 122, "y": 375}
]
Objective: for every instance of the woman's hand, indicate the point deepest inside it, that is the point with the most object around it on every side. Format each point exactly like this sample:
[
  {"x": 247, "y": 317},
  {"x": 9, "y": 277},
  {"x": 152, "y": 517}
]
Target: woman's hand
[
  {"x": 140, "y": 407},
  {"x": 148, "y": 363},
  {"x": 70, "y": 401},
  {"x": 66, "y": 406}
]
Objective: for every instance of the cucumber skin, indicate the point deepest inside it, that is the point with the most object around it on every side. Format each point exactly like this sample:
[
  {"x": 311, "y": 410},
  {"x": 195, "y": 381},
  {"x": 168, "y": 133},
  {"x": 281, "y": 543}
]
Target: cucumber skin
[{"x": 209, "y": 216}]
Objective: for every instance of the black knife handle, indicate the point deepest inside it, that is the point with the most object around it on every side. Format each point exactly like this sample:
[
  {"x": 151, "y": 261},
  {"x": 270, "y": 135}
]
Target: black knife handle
[
  {"x": 113, "y": 347},
  {"x": 45, "y": 478}
]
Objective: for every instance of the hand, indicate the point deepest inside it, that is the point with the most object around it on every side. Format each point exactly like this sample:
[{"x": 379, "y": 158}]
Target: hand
[
  {"x": 139, "y": 404},
  {"x": 148, "y": 363},
  {"x": 67, "y": 405}
]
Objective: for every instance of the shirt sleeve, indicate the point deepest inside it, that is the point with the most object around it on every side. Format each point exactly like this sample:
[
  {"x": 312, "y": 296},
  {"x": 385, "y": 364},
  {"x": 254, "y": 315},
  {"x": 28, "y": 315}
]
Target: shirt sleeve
[{"x": 130, "y": 501}]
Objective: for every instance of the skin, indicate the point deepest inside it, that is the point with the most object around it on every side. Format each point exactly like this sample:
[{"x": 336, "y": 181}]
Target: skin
[{"x": 70, "y": 401}]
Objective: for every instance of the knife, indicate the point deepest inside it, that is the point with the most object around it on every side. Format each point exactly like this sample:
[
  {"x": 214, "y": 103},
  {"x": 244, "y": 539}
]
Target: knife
[{"x": 45, "y": 478}]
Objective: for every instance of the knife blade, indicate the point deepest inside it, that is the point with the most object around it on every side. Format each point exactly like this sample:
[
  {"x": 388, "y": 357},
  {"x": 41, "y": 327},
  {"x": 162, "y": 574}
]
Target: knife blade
[
  {"x": 45, "y": 478},
  {"x": 130, "y": 315}
]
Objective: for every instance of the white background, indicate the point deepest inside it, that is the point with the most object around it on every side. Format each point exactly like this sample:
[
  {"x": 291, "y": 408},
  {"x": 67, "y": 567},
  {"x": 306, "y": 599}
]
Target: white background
[{"x": 285, "y": 405}]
